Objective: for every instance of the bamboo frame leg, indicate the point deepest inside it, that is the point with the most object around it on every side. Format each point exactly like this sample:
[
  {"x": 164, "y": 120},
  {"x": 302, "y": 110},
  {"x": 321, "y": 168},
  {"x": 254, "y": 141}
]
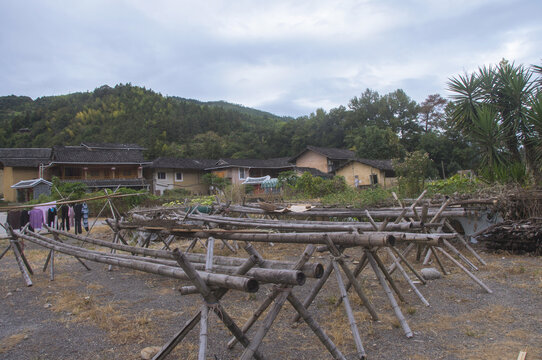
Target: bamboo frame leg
[
  {"x": 357, "y": 270},
  {"x": 408, "y": 264},
  {"x": 202, "y": 355},
  {"x": 192, "y": 244},
  {"x": 57, "y": 238},
  {"x": 353, "y": 326},
  {"x": 315, "y": 290},
  {"x": 113, "y": 251},
  {"x": 47, "y": 260},
  {"x": 266, "y": 326},
  {"x": 441, "y": 265},
  {"x": 52, "y": 266},
  {"x": 210, "y": 298},
  {"x": 403, "y": 255},
  {"x": 190, "y": 324},
  {"x": 389, "y": 294},
  {"x": 427, "y": 256},
  {"x": 366, "y": 302},
  {"x": 302, "y": 311},
  {"x": 388, "y": 276},
  {"x": 5, "y": 251},
  {"x": 465, "y": 243},
  {"x": 459, "y": 255},
  {"x": 21, "y": 264},
  {"x": 471, "y": 275},
  {"x": 231, "y": 248},
  {"x": 309, "y": 250},
  {"x": 407, "y": 278},
  {"x": 17, "y": 244}
]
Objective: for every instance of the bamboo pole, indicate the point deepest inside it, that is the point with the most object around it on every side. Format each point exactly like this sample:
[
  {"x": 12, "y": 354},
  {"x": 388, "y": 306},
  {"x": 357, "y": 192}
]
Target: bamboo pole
[
  {"x": 465, "y": 243},
  {"x": 312, "y": 270},
  {"x": 440, "y": 263},
  {"x": 5, "y": 250},
  {"x": 338, "y": 260},
  {"x": 221, "y": 280},
  {"x": 309, "y": 250},
  {"x": 352, "y": 322},
  {"x": 211, "y": 299},
  {"x": 407, "y": 278},
  {"x": 408, "y": 264},
  {"x": 202, "y": 355},
  {"x": 388, "y": 276},
  {"x": 190, "y": 324},
  {"x": 315, "y": 290},
  {"x": 389, "y": 294},
  {"x": 471, "y": 275},
  {"x": 20, "y": 263},
  {"x": 459, "y": 255}
]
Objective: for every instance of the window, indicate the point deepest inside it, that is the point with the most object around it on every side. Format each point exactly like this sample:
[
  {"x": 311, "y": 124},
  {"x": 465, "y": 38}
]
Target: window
[
  {"x": 179, "y": 176},
  {"x": 161, "y": 175},
  {"x": 374, "y": 179},
  {"x": 94, "y": 173},
  {"x": 127, "y": 172},
  {"x": 241, "y": 173}
]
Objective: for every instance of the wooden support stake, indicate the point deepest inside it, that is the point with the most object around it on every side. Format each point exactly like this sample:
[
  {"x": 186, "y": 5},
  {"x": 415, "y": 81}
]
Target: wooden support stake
[
  {"x": 403, "y": 256},
  {"x": 459, "y": 255},
  {"x": 52, "y": 267},
  {"x": 389, "y": 294}
]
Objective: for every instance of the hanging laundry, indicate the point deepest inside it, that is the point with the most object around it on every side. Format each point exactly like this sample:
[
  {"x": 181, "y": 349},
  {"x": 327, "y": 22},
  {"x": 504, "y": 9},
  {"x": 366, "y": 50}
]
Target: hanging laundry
[
  {"x": 65, "y": 224},
  {"x": 25, "y": 218},
  {"x": 71, "y": 215},
  {"x": 36, "y": 218},
  {"x": 51, "y": 215},
  {"x": 14, "y": 219},
  {"x": 78, "y": 216},
  {"x": 85, "y": 212}
]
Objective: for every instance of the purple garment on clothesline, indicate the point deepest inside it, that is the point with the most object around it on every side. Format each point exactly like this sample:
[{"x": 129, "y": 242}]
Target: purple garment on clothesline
[
  {"x": 44, "y": 207},
  {"x": 36, "y": 218}
]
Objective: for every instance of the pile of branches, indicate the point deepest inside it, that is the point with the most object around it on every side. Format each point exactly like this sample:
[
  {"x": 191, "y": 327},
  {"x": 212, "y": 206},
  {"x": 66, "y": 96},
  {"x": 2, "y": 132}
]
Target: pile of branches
[{"x": 519, "y": 237}]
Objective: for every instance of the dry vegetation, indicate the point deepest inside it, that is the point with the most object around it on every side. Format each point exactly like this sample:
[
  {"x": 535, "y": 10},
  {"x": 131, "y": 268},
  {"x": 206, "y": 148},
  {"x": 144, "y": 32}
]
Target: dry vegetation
[{"x": 113, "y": 315}]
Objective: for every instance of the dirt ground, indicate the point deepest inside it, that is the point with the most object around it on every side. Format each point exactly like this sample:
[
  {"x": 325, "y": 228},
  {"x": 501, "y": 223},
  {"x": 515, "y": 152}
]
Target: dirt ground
[{"x": 114, "y": 315}]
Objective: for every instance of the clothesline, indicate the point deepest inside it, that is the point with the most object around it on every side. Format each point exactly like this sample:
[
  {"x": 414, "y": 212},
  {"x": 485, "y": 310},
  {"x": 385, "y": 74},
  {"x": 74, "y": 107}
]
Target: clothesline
[{"x": 67, "y": 202}]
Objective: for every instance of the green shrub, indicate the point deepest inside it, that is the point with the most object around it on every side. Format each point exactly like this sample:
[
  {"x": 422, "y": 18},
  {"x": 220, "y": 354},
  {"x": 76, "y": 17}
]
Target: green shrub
[
  {"x": 412, "y": 172},
  {"x": 315, "y": 186},
  {"x": 358, "y": 198},
  {"x": 460, "y": 184},
  {"x": 176, "y": 193}
]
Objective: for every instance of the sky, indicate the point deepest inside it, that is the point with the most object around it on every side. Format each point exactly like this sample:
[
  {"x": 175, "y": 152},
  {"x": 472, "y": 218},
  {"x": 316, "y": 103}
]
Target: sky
[{"x": 285, "y": 57}]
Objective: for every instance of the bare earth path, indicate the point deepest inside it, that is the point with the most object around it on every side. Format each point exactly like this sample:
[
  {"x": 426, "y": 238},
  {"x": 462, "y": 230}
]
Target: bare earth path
[{"x": 113, "y": 315}]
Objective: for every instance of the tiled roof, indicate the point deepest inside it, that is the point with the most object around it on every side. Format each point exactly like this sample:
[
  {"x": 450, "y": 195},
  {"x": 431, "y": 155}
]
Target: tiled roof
[
  {"x": 177, "y": 163},
  {"x": 111, "y": 146},
  {"x": 331, "y": 153},
  {"x": 274, "y": 163},
  {"x": 24, "y": 157},
  {"x": 26, "y": 184},
  {"x": 83, "y": 154}
]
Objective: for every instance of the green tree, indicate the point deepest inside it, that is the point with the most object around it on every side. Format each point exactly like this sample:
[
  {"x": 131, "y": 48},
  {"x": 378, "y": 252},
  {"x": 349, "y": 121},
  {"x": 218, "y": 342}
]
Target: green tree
[{"x": 496, "y": 108}]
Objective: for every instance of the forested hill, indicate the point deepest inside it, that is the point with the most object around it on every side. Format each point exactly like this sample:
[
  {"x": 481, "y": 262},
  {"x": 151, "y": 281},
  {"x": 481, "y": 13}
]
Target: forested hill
[{"x": 375, "y": 126}]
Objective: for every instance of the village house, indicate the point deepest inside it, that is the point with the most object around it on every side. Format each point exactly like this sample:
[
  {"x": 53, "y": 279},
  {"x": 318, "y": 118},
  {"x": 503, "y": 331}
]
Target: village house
[
  {"x": 174, "y": 173},
  {"x": 99, "y": 165},
  {"x": 20, "y": 164},
  {"x": 238, "y": 170},
  {"x": 367, "y": 172},
  {"x": 357, "y": 172}
]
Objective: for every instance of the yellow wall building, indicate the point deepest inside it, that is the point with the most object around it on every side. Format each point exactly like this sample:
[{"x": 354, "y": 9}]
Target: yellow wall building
[{"x": 360, "y": 173}]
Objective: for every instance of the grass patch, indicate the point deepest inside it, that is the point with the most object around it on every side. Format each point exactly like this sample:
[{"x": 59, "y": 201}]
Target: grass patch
[{"x": 9, "y": 342}]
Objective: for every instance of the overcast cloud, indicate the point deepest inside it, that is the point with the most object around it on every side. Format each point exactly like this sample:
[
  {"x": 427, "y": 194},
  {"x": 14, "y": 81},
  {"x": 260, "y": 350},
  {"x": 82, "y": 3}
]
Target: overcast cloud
[{"x": 286, "y": 57}]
